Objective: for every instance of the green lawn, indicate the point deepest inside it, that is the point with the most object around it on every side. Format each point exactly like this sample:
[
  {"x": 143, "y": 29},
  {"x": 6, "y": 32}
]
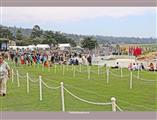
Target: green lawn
[{"x": 142, "y": 97}]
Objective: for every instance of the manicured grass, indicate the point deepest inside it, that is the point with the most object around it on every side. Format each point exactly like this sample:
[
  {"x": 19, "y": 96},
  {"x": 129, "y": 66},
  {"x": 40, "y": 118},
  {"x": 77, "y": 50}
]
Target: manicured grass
[{"x": 142, "y": 97}]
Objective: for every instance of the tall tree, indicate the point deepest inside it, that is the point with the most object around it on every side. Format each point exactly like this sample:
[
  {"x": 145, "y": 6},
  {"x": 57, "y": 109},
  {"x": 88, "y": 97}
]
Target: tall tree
[
  {"x": 19, "y": 35},
  {"x": 89, "y": 43},
  {"x": 36, "y": 32},
  {"x": 5, "y": 33},
  {"x": 49, "y": 38}
]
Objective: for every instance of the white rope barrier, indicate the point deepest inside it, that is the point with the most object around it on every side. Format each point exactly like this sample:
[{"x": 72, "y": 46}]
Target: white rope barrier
[
  {"x": 119, "y": 108},
  {"x": 52, "y": 80},
  {"x": 34, "y": 81},
  {"x": 84, "y": 90},
  {"x": 86, "y": 101},
  {"x": 146, "y": 80},
  {"x": 115, "y": 75},
  {"x": 20, "y": 76},
  {"x": 49, "y": 86},
  {"x": 92, "y": 71},
  {"x": 134, "y": 104},
  {"x": 12, "y": 75},
  {"x": 83, "y": 71}
]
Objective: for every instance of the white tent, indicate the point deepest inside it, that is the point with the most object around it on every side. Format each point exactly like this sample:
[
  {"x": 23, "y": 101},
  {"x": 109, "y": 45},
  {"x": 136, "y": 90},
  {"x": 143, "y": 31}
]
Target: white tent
[
  {"x": 43, "y": 46},
  {"x": 64, "y": 46},
  {"x": 19, "y": 47},
  {"x": 31, "y": 47}
]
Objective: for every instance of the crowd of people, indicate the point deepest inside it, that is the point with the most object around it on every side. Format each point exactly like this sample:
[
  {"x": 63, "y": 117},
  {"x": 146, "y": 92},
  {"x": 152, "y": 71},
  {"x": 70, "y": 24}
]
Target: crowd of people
[
  {"x": 137, "y": 66},
  {"x": 48, "y": 58}
]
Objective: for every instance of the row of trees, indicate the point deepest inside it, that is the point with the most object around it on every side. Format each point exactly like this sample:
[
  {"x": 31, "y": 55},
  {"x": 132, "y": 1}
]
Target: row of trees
[{"x": 38, "y": 36}]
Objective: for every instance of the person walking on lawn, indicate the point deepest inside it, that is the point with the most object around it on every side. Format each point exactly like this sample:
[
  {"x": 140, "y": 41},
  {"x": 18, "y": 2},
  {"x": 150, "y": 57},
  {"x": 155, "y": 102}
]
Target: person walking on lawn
[{"x": 4, "y": 75}]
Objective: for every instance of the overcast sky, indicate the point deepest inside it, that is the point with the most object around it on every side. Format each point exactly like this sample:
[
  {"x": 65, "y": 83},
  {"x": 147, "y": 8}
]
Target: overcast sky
[{"x": 107, "y": 21}]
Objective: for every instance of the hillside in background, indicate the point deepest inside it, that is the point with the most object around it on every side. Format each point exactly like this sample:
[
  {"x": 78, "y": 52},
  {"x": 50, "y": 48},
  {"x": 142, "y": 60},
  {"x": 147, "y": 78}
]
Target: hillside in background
[{"x": 99, "y": 38}]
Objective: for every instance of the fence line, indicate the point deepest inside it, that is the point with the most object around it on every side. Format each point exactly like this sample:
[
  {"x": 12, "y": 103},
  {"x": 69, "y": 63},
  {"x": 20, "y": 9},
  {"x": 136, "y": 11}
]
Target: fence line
[
  {"x": 134, "y": 104},
  {"x": 119, "y": 108},
  {"x": 84, "y": 90},
  {"x": 86, "y": 101},
  {"x": 49, "y": 86},
  {"x": 34, "y": 81},
  {"x": 47, "y": 79},
  {"x": 77, "y": 96},
  {"x": 146, "y": 80},
  {"x": 141, "y": 106}
]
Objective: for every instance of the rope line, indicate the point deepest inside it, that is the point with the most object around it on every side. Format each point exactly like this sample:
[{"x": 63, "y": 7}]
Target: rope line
[
  {"x": 34, "y": 81},
  {"x": 49, "y": 86},
  {"x": 146, "y": 80},
  {"x": 21, "y": 76},
  {"x": 86, "y": 101},
  {"x": 119, "y": 108}
]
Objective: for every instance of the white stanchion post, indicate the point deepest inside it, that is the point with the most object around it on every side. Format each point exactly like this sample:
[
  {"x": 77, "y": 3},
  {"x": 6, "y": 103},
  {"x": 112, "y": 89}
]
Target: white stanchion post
[
  {"x": 131, "y": 80},
  {"x": 61, "y": 66},
  {"x": 18, "y": 79},
  {"x": 113, "y": 100},
  {"x": 89, "y": 72},
  {"x": 74, "y": 71},
  {"x": 121, "y": 72},
  {"x": 40, "y": 88},
  {"x": 12, "y": 74},
  {"x": 138, "y": 74},
  {"x": 80, "y": 67},
  {"x": 62, "y": 97},
  {"x": 27, "y": 83},
  {"x": 67, "y": 67},
  {"x": 63, "y": 69},
  {"x": 72, "y": 67},
  {"x": 55, "y": 69},
  {"x": 98, "y": 70},
  {"x": 107, "y": 79}
]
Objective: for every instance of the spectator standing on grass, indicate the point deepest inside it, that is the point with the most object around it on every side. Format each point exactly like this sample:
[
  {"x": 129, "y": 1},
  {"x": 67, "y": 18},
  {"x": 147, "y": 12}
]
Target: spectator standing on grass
[
  {"x": 17, "y": 59},
  {"x": 89, "y": 59},
  {"x": 142, "y": 66},
  {"x": 4, "y": 75}
]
